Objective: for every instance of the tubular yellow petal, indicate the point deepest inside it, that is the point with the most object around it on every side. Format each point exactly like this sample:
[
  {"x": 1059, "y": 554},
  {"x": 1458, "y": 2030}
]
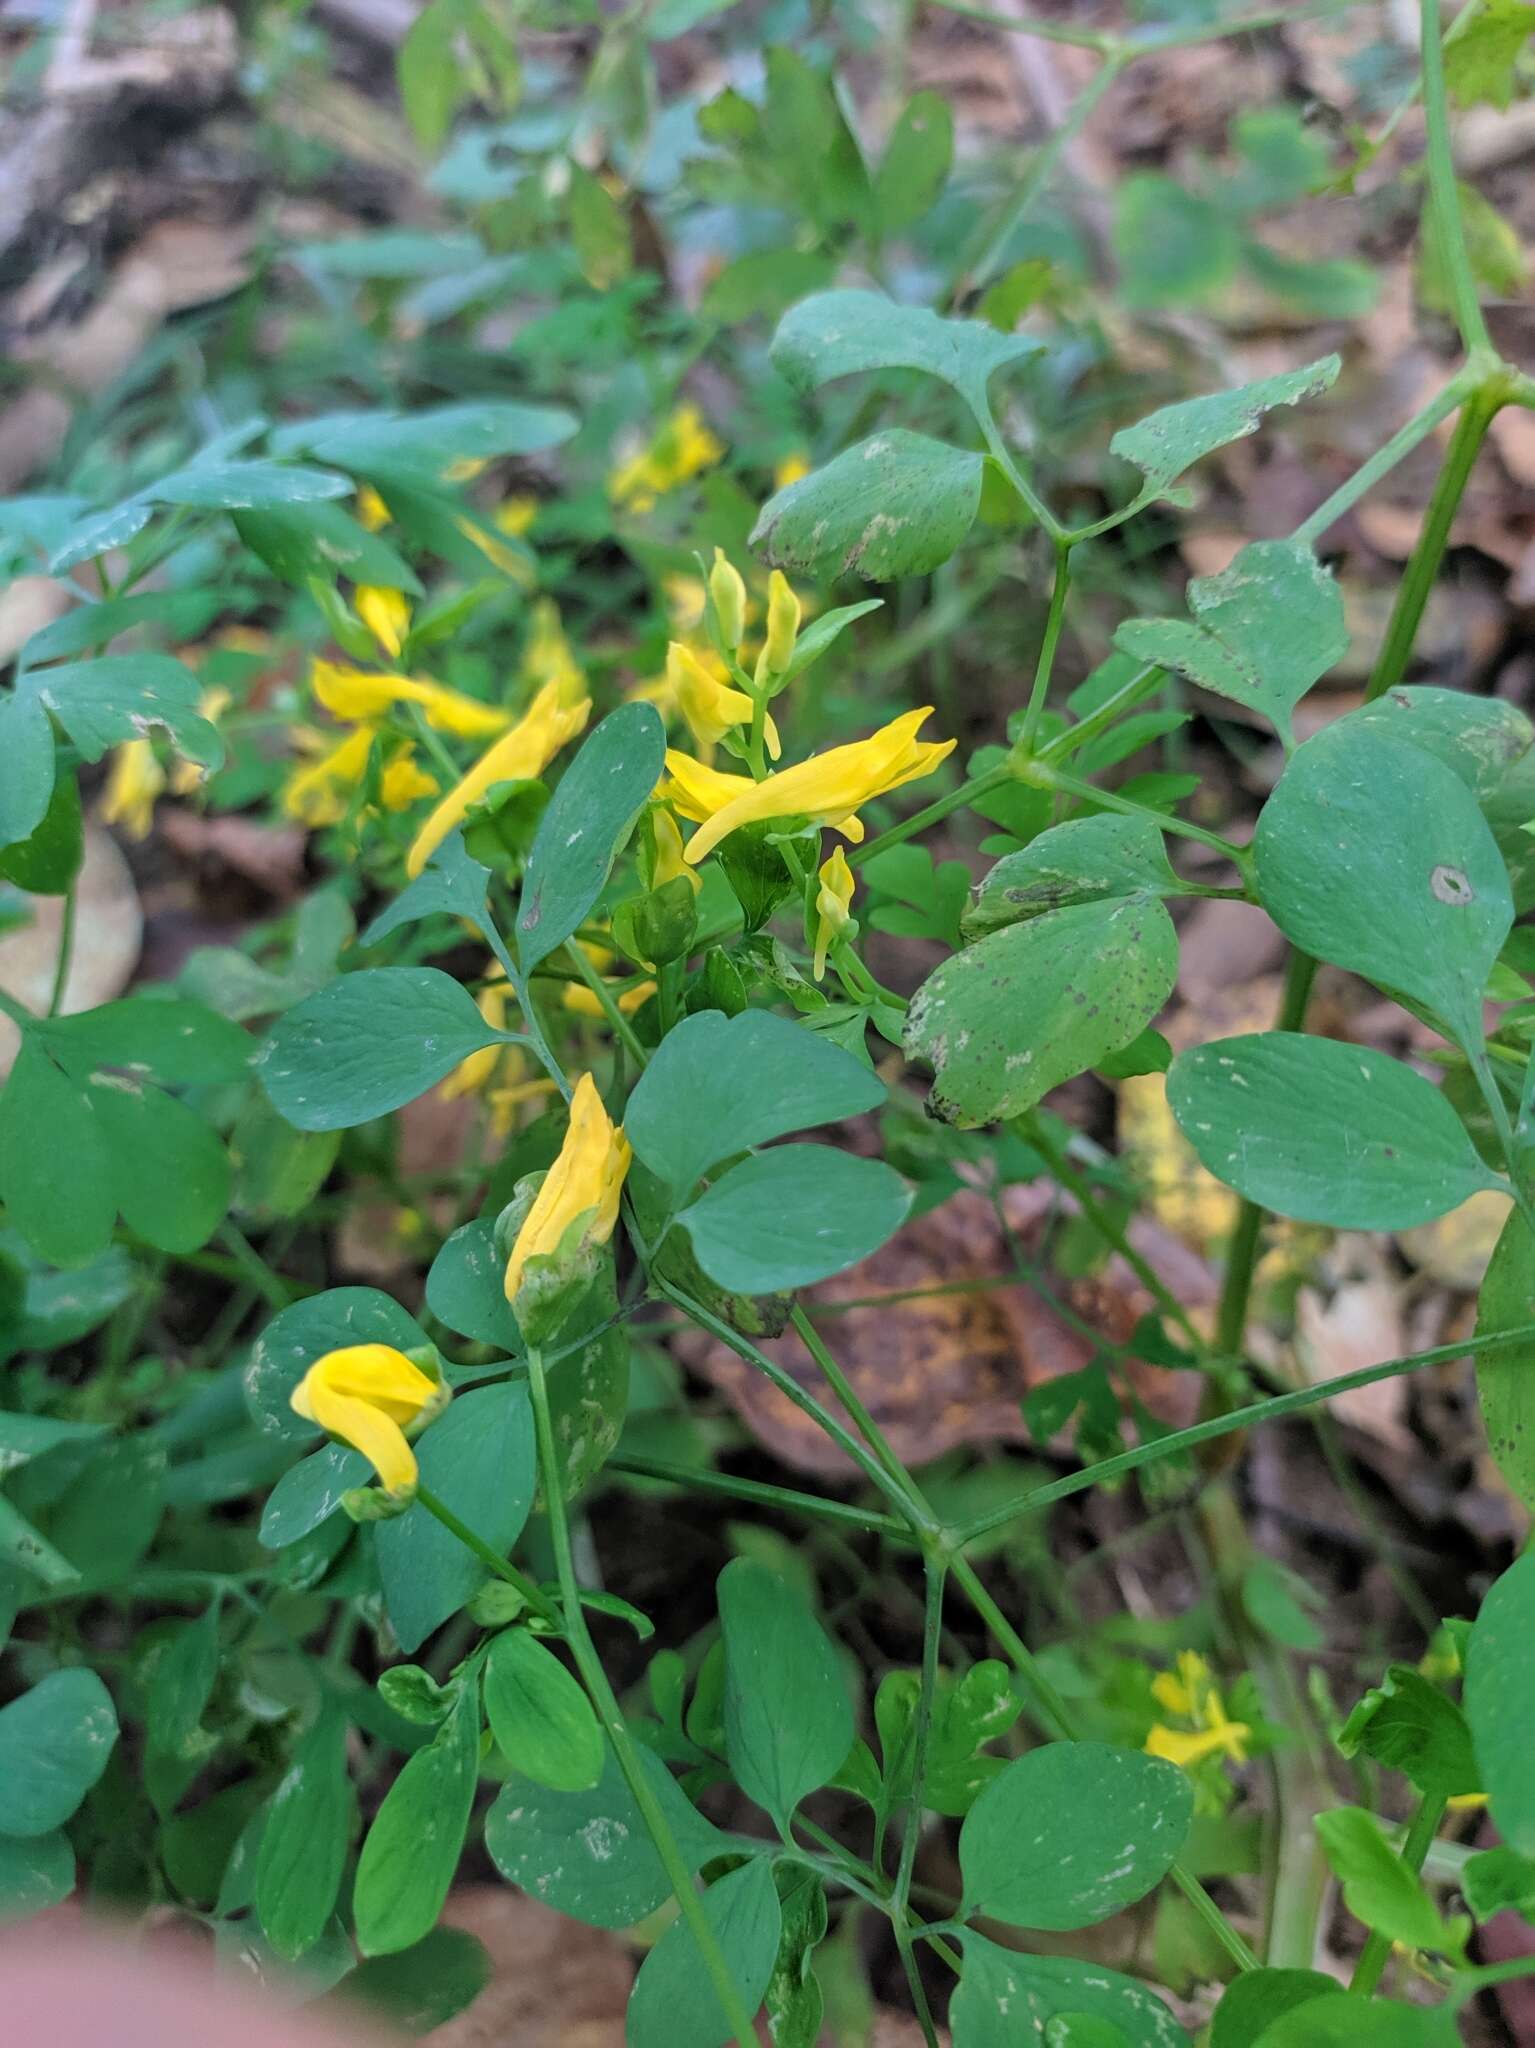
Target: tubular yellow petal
[
  {"x": 833, "y": 906},
  {"x": 315, "y": 795},
  {"x": 404, "y": 783},
  {"x": 517, "y": 756},
  {"x": 829, "y": 787},
  {"x": 668, "y": 863},
  {"x": 728, "y": 591},
  {"x": 353, "y": 693},
  {"x": 698, "y": 792},
  {"x": 710, "y": 707},
  {"x": 782, "y": 627},
  {"x": 367, "y": 1395},
  {"x": 588, "y": 1176},
  {"x": 133, "y": 782},
  {"x": 385, "y": 613},
  {"x": 1177, "y": 1746}
]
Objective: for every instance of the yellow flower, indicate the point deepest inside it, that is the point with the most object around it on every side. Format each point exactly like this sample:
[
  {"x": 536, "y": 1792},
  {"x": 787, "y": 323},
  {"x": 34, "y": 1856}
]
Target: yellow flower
[
  {"x": 371, "y": 509},
  {"x": 709, "y": 707},
  {"x": 728, "y": 591},
  {"x": 1190, "y": 1694},
  {"x": 582, "y": 1187},
  {"x": 133, "y": 782},
  {"x": 497, "y": 553},
  {"x": 782, "y": 629},
  {"x": 355, "y": 693},
  {"x": 368, "y": 1395},
  {"x": 833, "y": 906},
  {"x": 790, "y": 469},
  {"x": 683, "y": 448},
  {"x": 518, "y": 756},
  {"x": 696, "y": 791},
  {"x": 669, "y": 863},
  {"x": 385, "y": 614},
  {"x": 548, "y": 656},
  {"x": 317, "y": 794},
  {"x": 514, "y": 515},
  {"x": 829, "y": 788},
  {"x": 403, "y": 783}
]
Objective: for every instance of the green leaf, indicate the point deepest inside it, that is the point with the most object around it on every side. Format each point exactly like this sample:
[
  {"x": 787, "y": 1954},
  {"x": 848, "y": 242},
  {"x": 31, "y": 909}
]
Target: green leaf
[
  {"x": 48, "y": 860},
  {"x": 1124, "y": 1815},
  {"x": 581, "y": 834},
  {"x": 465, "y": 1289},
  {"x": 310, "y": 1493},
  {"x": 837, "y": 333},
  {"x": 916, "y": 163},
  {"x": 420, "y": 446},
  {"x": 278, "y": 1170},
  {"x": 1348, "y": 2022},
  {"x": 1498, "y": 1881},
  {"x": 718, "y": 1085},
  {"x": 1263, "y": 630},
  {"x": 1505, "y": 1378},
  {"x": 1500, "y": 1672},
  {"x": 306, "y": 1331},
  {"x": 1480, "y": 738},
  {"x": 24, "y": 1437},
  {"x": 23, "y": 1549},
  {"x": 1004, "y": 1997},
  {"x": 54, "y": 1744},
  {"x": 304, "y": 1842},
  {"x": 323, "y": 541},
  {"x": 1422, "y": 913},
  {"x": 1378, "y": 1887},
  {"x": 1009, "y": 1018},
  {"x": 543, "y": 1722},
  {"x": 810, "y": 147},
  {"x": 422, "y": 1987},
  {"x": 170, "y": 1172},
  {"x": 36, "y": 1871},
  {"x": 180, "y": 1686},
  {"x": 1324, "y": 1132},
  {"x": 1255, "y": 2000},
  {"x": 840, "y": 520},
  {"x": 1409, "y": 1725},
  {"x": 1166, "y": 443},
  {"x": 1284, "y": 160},
  {"x": 452, "y": 884},
  {"x": 589, "y": 1854},
  {"x": 243, "y": 486},
  {"x": 795, "y": 2003},
  {"x": 369, "y": 1043},
  {"x": 55, "y": 1161},
  {"x": 813, "y": 642},
  {"x": 119, "y": 697},
  {"x": 411, "y": 1852},
  {"x": 968, "y": 1711},
  {"x": 478, "y": 1457},
  {"x": 430, "y": 71},
  {"x": 26, "y": 744},
  {"x": 1097, "y": 859},
  {"x": 172, "y": 1041},
  {"x": 788, "y": 1724},
  {"x": 762, "y": 282},
  {"x": 674, "y": 2003},
  {"x": 1173, "y": 247},
  {"x": 793, "y": 1215},
  {"x": 1480, "y": 59}
]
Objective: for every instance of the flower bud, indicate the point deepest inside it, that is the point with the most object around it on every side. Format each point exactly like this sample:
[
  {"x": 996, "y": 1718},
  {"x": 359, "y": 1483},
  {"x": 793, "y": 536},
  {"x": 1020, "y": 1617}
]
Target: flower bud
[{"x": 729, "y": 594}]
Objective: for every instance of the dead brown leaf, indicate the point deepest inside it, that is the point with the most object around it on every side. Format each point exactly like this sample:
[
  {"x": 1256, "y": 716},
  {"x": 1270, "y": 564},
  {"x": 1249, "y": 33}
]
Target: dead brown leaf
[
  {"x": 553, "y": 1984},
  {"x": 109, "y": 927}
]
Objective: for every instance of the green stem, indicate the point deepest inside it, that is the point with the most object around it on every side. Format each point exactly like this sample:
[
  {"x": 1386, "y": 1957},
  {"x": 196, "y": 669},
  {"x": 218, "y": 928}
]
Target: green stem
[
  {"x": 1423, "y": 568},
  {"x": 935, "y": 1572},
  {"x": 920, "y": 1514},
  {"x": 1420, "y": 1837},
  {"x": 623, "y": 1030},
  {"x": 1003, "y": 457},
  {"x": 66, "y": 951},
  {"x": 603, "y": 1698},
  {"x": 787, "y": 1385},
  {"x": 1047, "y": 647},
  {"x": 1256, "y": 1412},
  {"x": 538, "y": 1601},
  {"x": 1144, "y": 683},
  {"x": 932, "y": 814},
  {"x": 1386, "y": 458},
  {"x": 1039, "y": 774},
  {"x": 1444, "y": 199},
  {"x": 761, "y": 1494}
]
